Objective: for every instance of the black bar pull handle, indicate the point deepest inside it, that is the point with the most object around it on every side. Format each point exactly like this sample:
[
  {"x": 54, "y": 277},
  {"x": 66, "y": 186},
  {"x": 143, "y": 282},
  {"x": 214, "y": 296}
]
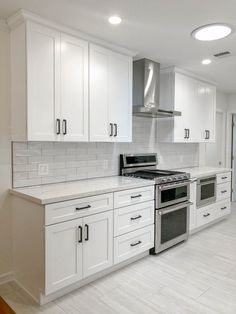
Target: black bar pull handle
[
  {"x": 80, "y": 234},
  {"x": 111, "y": 129},
  {"x": 206, "y": 215},
  {"x": 87, "y": 233},
  {"x": 135, "y": 218},
  {"x": 84, "y": 207},
  {"x": 58, "y": 126},
  {"x": 136, "y": 196},
  {"x": 116, "y": 130},
  {"x": 64, "y": 126},
  {"x": 136, "y": 243}
]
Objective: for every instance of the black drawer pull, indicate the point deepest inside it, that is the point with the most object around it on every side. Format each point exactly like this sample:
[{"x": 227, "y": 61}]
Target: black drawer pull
[
  {"x": 223, "y": 191},
  {"x": 85, "y": 207},
  {"x": 136, "y": 196},
  {"x": 136, "y": 243},
  {"x": 206, "y": 215},
  {"x": 223, "y": 208},
  {"x": 223, "y": 178},
  {"x": 80, "y": 234},
  {"x": 137, "y": 217}
]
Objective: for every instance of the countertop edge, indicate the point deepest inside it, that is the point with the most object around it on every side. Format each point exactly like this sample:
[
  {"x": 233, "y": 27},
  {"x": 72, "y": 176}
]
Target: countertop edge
[{"x": 73, "y": 196}]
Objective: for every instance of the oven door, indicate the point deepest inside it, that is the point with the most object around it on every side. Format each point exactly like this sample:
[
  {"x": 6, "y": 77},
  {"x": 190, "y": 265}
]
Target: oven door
[
  {"x": 173, "y": 193},
  {"x": 172, "y": 226},
  {"x": 206, "y": 191}
]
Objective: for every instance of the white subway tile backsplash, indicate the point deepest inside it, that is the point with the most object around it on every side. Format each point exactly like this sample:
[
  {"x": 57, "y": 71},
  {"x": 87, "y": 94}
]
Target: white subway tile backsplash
[{"x": 76, "y": 161}]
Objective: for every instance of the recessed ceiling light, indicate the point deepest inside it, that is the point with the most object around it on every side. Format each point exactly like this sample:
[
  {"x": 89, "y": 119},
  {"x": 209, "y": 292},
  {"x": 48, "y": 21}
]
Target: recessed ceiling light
[
  {"x": 115, "y": 20},
  {"x": 206, "y": 61},
  {"x": 212, "y": 32}
]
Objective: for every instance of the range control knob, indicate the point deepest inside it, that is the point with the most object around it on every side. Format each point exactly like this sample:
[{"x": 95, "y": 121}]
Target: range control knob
[{"x": 169, "y": 179}]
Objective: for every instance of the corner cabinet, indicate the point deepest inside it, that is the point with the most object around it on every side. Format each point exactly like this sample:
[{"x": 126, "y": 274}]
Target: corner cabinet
[
  {"x": 53, "y": 75},
  {"x": 110, "y": 96},
  {"x": 196, "y": 99}
]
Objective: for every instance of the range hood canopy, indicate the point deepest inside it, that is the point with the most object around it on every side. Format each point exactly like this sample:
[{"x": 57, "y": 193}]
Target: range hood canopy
[{"x": 146, "y": 90}]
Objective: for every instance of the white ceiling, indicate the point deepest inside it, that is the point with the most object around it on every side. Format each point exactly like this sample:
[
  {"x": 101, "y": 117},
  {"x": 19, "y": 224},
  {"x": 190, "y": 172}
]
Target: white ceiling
[{"x": 157, "y": 29}]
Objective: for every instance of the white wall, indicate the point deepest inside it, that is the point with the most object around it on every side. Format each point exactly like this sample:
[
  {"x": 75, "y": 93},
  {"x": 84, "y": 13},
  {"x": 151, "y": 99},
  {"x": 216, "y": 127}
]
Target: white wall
[{"x": 5, "y": 155}]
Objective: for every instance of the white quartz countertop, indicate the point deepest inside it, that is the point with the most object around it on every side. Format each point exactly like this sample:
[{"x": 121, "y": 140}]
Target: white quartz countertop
[
  {"x": 197, "y": 172},
  {"x": 52, "y": 193}
]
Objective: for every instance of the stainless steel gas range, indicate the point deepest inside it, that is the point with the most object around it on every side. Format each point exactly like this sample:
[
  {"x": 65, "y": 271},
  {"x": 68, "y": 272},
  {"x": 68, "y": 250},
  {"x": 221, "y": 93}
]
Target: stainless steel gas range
[{"x": 171, "y": 198}]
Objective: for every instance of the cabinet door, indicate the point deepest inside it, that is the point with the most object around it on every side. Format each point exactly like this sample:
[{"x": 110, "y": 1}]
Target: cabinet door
[
  {"x": 192, "y": 209},
  {"x": 181, "y": 96},
  {"x": 210, "y": 112},
  {"x": 120, "y": 96},
  {"x": 43, "y": 82},
  {"x": 98, "y": 243},
  {"x": 74, "y": 88},
  {"x": 63, "y": 255},
  {"x": 98, "y": 92}
]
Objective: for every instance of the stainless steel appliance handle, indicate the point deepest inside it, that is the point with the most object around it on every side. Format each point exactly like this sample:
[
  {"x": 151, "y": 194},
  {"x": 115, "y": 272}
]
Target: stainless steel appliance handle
[
  {"x": 111, "y": 129},
  {"x": 173, "y": 208},
  {"x": 174, "y": 185}
]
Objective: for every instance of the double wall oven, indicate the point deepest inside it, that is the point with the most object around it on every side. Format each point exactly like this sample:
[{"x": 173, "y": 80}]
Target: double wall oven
[{"x": 171, "y": 198}]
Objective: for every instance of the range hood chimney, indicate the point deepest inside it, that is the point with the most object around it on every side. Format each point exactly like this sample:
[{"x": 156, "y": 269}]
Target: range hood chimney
[{"x": 146, "y": 90}]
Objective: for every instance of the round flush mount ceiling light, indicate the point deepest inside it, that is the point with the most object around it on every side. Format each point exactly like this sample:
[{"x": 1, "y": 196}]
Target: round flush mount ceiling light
[
  {"x": 212, "y": 32},
  {"x": 114, "y": 19},
  {"x": 206, "y": 61}
]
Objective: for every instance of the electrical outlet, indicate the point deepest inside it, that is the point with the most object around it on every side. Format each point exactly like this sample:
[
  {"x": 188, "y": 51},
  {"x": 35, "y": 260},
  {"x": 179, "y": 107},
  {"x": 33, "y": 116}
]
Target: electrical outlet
[
  {"x": 105, "y": 164},
  {"x": 43, "y": 169}
]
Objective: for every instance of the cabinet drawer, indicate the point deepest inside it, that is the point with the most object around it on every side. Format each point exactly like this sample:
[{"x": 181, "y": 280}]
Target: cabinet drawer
[
  {"x": 206, "y": 215},
  {"x": 223, "y": 207},
  {"x": 68, "y": 210},
  {"x": 223, "y": 191},
  {"x": 133, "y": 196},
  {"x": 223, "y": 177},
  {"x": 133, "y": 217},
  {"x": 133, "y": 243}
]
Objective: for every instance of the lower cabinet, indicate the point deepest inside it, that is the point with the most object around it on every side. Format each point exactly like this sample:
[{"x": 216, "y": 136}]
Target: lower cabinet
[
  {"x": 133, "y": 243},
  {"x": 77, "y": 249}
]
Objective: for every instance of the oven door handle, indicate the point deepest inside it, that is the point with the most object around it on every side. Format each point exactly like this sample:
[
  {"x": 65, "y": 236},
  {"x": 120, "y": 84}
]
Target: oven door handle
[
  {"x": 162, "y": 212},
  {"x": 174, "y": 185}
]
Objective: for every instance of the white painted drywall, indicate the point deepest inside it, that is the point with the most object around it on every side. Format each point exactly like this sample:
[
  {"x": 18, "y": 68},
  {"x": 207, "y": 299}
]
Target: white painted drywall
[{"x": 5, "y": 155}]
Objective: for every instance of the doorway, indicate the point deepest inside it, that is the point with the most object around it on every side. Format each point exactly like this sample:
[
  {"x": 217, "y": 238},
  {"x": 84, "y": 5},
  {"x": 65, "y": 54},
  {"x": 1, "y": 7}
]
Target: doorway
[{"x": 233, "y": 157}]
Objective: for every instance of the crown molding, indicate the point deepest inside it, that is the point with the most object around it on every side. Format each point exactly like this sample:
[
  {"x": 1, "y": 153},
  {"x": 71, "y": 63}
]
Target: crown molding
[
  {"x": 3, "y": 26},
  {"x": 23, "y": 16}
]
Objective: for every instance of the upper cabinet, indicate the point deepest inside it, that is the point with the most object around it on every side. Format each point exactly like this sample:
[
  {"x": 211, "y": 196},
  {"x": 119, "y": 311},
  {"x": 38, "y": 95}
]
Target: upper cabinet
[
  {"x": 110, "y": 96},
  {"x": 52, "y": 79},
  {"x": 49, "y": 85},
  {"x": 196, "y": 99}
]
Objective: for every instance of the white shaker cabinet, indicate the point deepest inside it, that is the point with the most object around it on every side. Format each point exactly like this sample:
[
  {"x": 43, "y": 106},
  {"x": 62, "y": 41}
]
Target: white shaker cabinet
[
  {"x": 196, "y": 99},
  {"x": 35, "y": 73},
  {"x": 110, "y": 96},
  {"x": 77, "y": 249},
  {"x": 74, "y": 89},
  {"x": 63, "y": 254},
  {"x": 49, "y": 85},
  {"x": 98, "y": 243}
]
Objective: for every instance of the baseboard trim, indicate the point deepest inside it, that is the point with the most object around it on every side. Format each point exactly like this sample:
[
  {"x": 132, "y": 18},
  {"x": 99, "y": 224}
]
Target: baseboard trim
[
  {"x": 7, "y": 277},
  {"x": 26, "y": 291}
]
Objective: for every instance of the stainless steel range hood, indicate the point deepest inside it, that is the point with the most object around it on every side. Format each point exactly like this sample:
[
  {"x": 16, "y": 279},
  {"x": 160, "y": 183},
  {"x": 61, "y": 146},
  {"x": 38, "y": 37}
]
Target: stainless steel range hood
[{"x": 146, "y": 90}]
